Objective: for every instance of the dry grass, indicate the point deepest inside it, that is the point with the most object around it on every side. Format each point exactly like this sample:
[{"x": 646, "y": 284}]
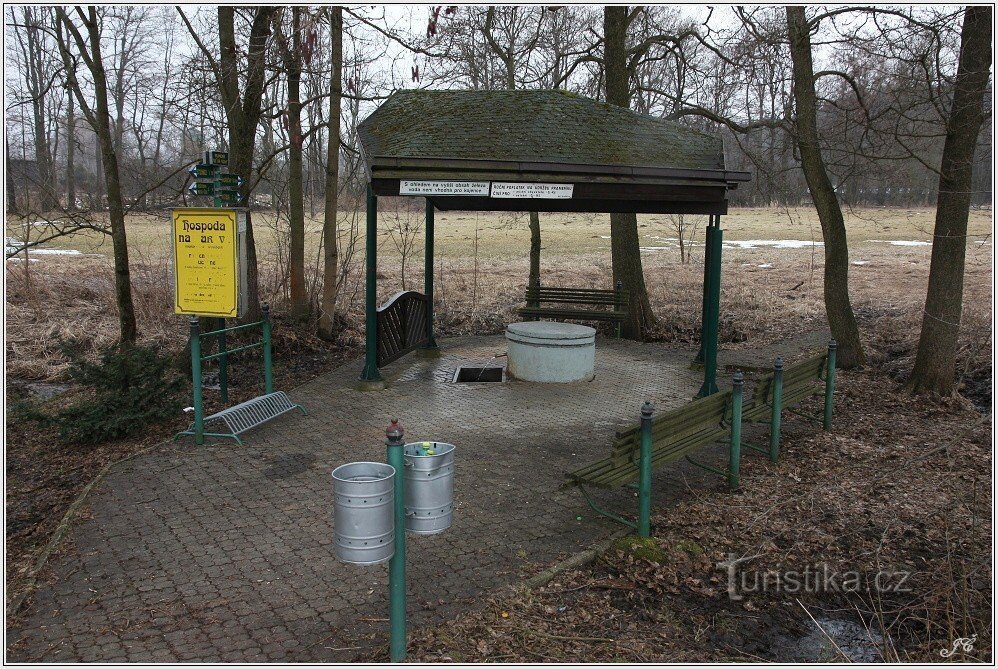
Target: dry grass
[{"x": 766, "y": 293}]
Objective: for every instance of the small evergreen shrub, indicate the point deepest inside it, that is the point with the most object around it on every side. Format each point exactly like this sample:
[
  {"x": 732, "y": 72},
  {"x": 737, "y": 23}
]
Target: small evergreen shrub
[{"x": 132, "y": 387}]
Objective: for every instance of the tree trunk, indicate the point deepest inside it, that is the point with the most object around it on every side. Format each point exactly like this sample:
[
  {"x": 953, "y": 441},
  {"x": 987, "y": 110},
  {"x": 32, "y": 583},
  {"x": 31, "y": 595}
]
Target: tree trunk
[
  {"x": 116, "y": 209},
  {"x": 11, "y": 195},
  {"x": 70, "y": 154},
  {"x": 838, "y": 308},
  {"x": 624, "y": 243},
  {"x": 48, "y": 199},
  {"x": 296, "y": 192},
  {"x": 243, "y": 116},
  {"x": 535, "y": 248},
  {"x": 327, "y": 319},
  {"x": 935, "y": 362}
]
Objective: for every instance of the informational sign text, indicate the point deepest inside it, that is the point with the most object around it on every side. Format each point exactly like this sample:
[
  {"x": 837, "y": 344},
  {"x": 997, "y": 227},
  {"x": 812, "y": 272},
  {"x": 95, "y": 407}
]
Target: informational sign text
[
  {"x": 532, "y": 190},
  {"x": 206, "y": 262},
  {"x": 443, "y": 188}
]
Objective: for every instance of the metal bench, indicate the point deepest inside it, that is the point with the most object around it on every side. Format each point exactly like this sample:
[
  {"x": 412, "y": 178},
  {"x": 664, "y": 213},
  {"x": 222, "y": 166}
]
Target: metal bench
[
  {"x": 247, "y": 415},
  {"x": 606, "y": 305}
]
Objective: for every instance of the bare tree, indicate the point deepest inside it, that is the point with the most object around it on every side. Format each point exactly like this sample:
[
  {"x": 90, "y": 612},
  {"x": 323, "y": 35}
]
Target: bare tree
[
  {"x": 243, "y": 108},
  {"x": 624, "y": 242},
  {"x": 935, "y": 362},
  {"x": 327, "y": 317},
  {"x": 838, "y": 307},
  {"x": 88, "y": 50}
]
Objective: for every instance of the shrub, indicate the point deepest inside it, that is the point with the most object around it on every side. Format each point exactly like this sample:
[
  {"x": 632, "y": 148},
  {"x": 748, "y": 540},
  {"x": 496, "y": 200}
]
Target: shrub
[{"x": 132, "y": 386}]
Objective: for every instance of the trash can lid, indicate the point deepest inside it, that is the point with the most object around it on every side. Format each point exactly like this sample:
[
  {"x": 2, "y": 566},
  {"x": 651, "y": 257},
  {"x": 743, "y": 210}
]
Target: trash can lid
[{"x": 551, "y": 330}]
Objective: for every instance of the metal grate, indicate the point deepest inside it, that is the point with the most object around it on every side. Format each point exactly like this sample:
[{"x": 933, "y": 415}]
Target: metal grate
[{"x": 250, "y": 414}]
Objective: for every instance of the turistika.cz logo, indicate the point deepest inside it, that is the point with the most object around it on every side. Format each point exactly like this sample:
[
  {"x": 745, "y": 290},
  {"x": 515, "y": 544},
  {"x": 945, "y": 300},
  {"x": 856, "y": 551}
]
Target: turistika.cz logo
[{"x": 811, "y": 579}]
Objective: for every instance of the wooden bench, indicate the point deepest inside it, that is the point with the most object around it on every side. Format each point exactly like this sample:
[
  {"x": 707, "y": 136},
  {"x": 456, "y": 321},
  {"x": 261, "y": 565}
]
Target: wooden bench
[
  {"x": 678, "y": 433},
  {"x": 581, "y": 304}
]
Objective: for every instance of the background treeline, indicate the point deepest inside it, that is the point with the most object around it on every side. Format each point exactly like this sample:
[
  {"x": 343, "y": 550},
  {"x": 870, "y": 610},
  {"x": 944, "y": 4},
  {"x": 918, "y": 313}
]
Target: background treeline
[{"x": 879, "y": 117}]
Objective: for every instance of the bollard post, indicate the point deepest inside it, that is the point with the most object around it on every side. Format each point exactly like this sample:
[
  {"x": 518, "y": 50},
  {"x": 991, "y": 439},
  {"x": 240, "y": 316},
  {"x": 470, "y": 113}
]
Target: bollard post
[
  {"x": 644, "y": 483},
  {"x": 394, "y": 438},
  {"x": 196, "y": 380},
  {"x": 735, "y": 455},
  {"x": 829, "y": 384},
  {"x": 223, "y": 365},
  {"x": 268, "y": 371},
  {"x": 777, "y": 407}
]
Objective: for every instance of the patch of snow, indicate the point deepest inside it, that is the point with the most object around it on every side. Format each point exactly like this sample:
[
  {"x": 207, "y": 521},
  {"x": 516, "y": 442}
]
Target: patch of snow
[
  {"x": 765, "y": 265},
  {"x": 900, "y": 242},
  {"x": 655, "y": 248},
  {"x": 860, "y": 262},
  {"x": 13, "y": 245},
  {"x": 604, "y": 236}
]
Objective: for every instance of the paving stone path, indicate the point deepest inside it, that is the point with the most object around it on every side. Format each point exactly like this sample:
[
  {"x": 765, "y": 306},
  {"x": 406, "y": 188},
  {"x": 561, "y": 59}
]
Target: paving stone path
[{"x": 224, "y": 553}]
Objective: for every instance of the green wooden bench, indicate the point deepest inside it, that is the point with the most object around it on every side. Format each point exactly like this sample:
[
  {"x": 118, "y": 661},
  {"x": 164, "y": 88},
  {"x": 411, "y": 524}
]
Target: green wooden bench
[
  {"x": 676, "y": 434},
  {"x": 581, "y": 304}
]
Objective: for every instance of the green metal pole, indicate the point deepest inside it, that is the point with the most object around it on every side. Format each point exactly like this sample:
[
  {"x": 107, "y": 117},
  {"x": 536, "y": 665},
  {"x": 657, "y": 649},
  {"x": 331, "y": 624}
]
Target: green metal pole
[
  {"x": 777, "y": 408},
  {"x": 371, "y": 372},
  {"x": 196, "y": 380},
  {"x": 223, "y": 365},
  {"x": 735, "y": 456},
  {"x": 396, "y": 566},
  {"x": 644, "y": 484},
  {"x": 428, "y": 276},
  {"x": 708, "y": 235},
  {"x": 710, "y": 328},
  {"x": 829, "y": 384},
  {"x": 268, "y": 367}
]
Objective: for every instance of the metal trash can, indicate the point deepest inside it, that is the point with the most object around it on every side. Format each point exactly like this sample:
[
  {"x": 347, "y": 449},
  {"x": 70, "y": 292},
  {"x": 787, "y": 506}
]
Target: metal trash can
[
  {"x": 429, "y": 486},
  {"x": 363, "y": 512}
]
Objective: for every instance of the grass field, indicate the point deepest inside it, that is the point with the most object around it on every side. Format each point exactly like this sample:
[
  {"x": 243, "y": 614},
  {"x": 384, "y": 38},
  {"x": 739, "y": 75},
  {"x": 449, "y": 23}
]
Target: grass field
[{"x": 506, "y": 236}]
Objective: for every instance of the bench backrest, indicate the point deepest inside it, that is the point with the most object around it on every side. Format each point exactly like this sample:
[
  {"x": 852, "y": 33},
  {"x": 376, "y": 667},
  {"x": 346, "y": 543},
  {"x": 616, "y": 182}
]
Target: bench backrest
[
  {"x": 701, "y": 415},
  {"x": 802, "y": 376},
  {"x": 593, "y": 296}
]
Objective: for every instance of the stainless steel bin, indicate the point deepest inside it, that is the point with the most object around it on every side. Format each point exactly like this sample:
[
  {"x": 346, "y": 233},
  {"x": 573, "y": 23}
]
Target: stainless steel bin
[
  {"x": 429, "y": 486},
  {"x": 363, "y": 512}
]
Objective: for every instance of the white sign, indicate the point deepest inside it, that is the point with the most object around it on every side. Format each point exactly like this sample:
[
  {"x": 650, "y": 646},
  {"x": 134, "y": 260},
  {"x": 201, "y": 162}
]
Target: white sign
[
  {"x": 443, "y": 187},
  {"x": 531, "y": 190}
]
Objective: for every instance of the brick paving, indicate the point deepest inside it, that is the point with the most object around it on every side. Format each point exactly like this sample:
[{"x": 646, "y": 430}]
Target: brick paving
[{"x": 224, "y": 553}]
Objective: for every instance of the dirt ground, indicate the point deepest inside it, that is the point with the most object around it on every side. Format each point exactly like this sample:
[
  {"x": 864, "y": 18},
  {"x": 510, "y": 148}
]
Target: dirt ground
[{"x": 769, "y": 291}]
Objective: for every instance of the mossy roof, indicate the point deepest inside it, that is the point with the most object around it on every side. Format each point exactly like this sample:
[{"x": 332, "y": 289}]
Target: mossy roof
[{"x": 531, "y": 126}]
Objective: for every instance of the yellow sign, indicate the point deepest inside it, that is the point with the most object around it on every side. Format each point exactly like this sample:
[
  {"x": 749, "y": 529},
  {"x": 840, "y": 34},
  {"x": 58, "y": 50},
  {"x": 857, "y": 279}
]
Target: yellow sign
[{"x": 205, "y": 262}]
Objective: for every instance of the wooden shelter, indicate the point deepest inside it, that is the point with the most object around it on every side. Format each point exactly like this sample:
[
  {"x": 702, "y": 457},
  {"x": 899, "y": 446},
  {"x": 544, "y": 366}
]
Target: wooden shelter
[{"x": 548, "y": 151}]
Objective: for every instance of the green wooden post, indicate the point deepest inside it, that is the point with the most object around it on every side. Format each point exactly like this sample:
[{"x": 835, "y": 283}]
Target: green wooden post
[
  {"x": 708, "y": 234},
  {"x": 777, "y": 408},
  {"x": 710, "y": 327},
  {"x": 196, "y": 380},
  {"x": 735, "y": 455},
  {"x": 428, "y": 276},
  {"x": 829, "y": 384},
  {"x": 268, "y": 368},
  {"x": 223, "y": 366},
  {"x": 371, "y": 372},
  {"x": 644, "y": 484},
  {"x": 396, "y": 567}
]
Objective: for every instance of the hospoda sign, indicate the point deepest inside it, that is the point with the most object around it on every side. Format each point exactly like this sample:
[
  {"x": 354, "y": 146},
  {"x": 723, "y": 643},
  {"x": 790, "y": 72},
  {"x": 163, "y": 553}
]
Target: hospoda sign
[{"x": 206, "y": 262}]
